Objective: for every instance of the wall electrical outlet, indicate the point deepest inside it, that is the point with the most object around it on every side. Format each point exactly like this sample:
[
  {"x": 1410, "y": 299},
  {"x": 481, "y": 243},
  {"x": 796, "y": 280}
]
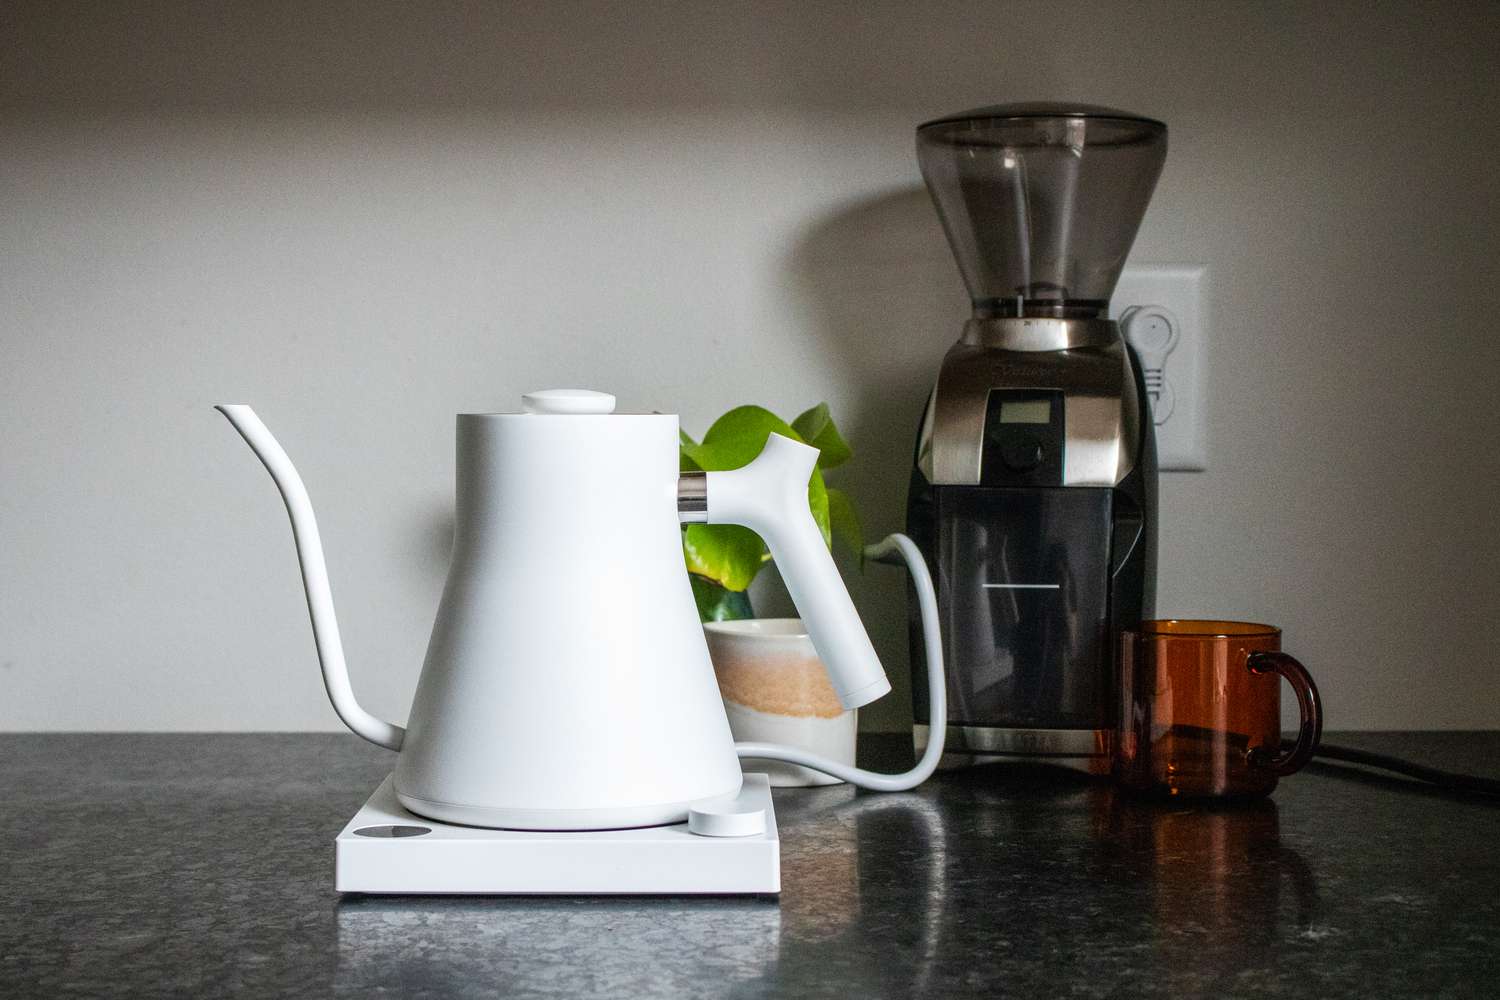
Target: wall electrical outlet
[{"x": 1160, "y": 311}]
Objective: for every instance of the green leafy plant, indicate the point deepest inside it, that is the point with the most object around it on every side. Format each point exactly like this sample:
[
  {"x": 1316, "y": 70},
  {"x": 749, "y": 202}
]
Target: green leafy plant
[{"x": 724, "y": 558}]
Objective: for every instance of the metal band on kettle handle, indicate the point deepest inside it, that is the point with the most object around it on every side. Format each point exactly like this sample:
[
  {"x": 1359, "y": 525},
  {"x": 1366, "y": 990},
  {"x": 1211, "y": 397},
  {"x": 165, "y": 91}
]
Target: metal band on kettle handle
[{"x": 692, "y": 497}]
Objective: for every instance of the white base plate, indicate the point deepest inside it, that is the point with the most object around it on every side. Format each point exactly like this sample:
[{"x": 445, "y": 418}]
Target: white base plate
[{"x": 386, "y": 849}]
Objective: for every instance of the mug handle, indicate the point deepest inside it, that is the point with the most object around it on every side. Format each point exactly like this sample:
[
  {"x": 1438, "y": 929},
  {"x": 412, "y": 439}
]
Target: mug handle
[{"x": 1309, "y": 704}]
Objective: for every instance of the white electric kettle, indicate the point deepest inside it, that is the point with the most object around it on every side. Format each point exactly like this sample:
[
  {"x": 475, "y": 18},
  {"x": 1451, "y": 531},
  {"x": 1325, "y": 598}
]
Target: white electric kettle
[{"x": 532, "y": 715}]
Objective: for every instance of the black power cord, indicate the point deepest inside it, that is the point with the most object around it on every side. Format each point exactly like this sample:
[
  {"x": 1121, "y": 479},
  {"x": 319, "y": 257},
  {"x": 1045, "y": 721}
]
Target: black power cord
[{"x": 1450, "y": 780}]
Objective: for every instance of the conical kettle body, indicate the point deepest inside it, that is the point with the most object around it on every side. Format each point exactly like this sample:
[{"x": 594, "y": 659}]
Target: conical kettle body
[{"x": 567, "y": 684}]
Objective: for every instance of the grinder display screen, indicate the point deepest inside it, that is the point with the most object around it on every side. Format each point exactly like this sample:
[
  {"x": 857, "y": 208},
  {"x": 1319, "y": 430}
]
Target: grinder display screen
[
  {"x": 1026, "y": 411},
  {"x": 1024, "y": 438}
]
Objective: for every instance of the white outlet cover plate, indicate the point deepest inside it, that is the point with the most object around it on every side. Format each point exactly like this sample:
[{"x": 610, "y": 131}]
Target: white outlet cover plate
[
  {"x": 1180, "y": 443},
  {"x": 386, "y": 849}
]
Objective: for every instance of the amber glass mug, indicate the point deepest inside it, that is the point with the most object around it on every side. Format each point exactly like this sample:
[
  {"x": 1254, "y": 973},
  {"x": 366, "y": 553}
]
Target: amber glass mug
[{"x": 1200, "y": 710}]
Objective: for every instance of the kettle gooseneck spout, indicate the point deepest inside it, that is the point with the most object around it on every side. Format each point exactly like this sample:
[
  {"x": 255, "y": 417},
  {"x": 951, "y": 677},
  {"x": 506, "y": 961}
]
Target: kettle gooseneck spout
[{"x": 314, "y": 577}]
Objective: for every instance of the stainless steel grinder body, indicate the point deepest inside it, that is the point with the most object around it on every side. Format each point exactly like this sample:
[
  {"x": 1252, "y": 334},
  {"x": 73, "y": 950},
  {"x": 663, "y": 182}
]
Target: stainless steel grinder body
[
  {"x": 1033, "y": 492},
  {"x": 1034, "y": 499}
]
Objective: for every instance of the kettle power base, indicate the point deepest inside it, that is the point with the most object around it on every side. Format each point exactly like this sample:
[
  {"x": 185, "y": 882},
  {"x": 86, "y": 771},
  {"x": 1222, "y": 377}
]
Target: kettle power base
[{"x": 385, "y": 849}]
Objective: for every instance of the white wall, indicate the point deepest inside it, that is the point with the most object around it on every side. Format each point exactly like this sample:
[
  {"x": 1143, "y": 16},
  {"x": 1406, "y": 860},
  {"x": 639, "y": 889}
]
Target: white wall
[{"x": 363, "y": 218}]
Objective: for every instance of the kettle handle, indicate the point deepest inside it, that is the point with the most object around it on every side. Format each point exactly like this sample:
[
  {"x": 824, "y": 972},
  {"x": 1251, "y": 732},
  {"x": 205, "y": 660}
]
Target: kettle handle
[
  {"x": 891, "y": 549},
  {"x": 325, "y": 623},
  {"x": 769, "y": 496}
]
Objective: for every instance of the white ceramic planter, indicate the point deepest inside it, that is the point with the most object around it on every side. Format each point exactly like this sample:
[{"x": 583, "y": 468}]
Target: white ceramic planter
[{"x": 776, "y": 690}]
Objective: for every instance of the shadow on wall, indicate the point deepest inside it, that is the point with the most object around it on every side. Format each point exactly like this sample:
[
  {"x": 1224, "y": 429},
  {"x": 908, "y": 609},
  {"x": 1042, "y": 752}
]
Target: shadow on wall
[
  {"x": 287, "y": 56},
  {"x": 883, "y": 299}
]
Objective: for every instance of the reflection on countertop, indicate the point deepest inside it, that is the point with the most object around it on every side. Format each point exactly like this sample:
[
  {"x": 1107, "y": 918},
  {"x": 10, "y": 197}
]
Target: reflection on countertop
[{"x": 203, "y": 864}]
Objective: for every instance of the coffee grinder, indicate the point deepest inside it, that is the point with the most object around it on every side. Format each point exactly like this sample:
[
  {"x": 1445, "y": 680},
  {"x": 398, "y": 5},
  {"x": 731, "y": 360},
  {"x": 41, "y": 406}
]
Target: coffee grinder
[{"x": 1033, "y": 495}]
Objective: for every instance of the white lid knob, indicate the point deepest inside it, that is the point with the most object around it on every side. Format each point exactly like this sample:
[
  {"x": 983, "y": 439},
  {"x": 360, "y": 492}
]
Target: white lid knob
[{"x": 568, "y": 401}]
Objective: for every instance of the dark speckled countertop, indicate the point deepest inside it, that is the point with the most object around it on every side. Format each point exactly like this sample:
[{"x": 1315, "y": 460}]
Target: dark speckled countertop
[{"x": 203, "y": 866}]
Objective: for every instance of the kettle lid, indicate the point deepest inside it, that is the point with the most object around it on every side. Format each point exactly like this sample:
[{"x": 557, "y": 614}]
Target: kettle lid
[{"x": 568, "y": 401}]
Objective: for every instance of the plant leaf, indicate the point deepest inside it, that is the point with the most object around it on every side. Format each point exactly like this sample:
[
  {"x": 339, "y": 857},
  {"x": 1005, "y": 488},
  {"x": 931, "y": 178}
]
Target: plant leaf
[
  {"x": 738, "y": 436},
  {"x": 816, "y": 427},
  {"x": 844, "y": 522},
  {"x": 727, "y": 554},
  {"x": 716, "y": 604},
  {"x": 687, "y": 453},
  {"x": 730, "y": 555},
  {"x": 817, "y": 499}
]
